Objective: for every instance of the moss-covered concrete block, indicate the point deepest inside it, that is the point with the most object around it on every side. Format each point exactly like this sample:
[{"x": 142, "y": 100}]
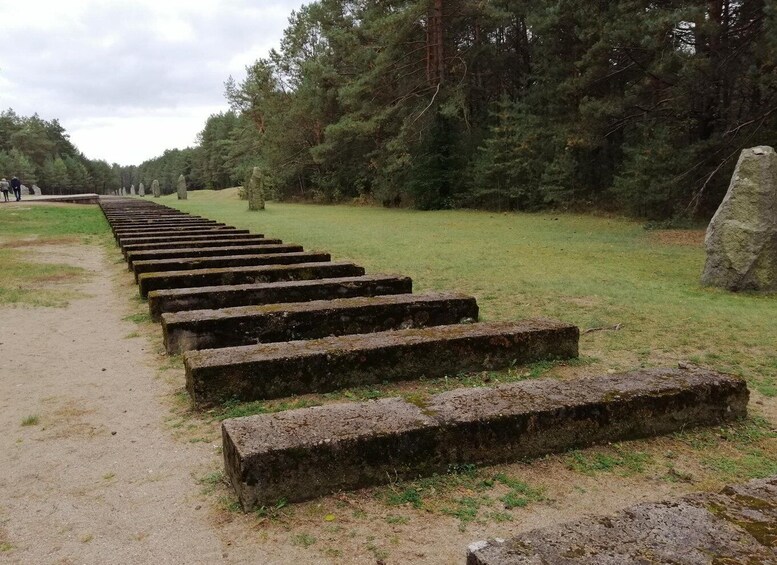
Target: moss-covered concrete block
[
  {"x": 248, "y": 239},
  {"x": 191, "y": 234},
  {"x": 211, "y": 262},
  {"x": 245, "y": 325},
  {"x": 193, "y": 252},
  {"x": 273, "y": 370},
  {"x": 244, "y": 275},
  {"x": 300, "y": 454},
  {"x": 226, "y": 296}
]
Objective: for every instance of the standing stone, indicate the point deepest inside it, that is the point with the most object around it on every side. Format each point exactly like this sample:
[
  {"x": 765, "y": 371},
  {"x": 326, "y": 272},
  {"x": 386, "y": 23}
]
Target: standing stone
[
  {"x": 123, "y": 191},
  {"x": 155, "y": 189},
  {"x": 36, "y": 190},
  {"x": 255, "y": 190},
  {"x": 141, "y": 190},
  {"x": 181, "y": 188},
  {"x": 741, "y": 239},
  {"x": 132, "y": 189}
]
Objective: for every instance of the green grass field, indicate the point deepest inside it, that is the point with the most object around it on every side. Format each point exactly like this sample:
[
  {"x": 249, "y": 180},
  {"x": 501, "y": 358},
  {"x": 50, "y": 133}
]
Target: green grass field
[
  {"x": 597, "y": 272},
  {"x": 26, "y": 282}
]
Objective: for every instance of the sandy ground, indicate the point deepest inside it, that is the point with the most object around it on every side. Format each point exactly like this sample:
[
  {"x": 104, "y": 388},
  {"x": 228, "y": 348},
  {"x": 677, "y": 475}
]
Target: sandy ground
[
  {"x": 99, "y": 479},
  {"x": 110, "y": 472}
]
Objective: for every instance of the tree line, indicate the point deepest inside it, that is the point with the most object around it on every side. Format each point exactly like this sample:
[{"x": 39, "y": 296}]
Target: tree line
[
  {"x": 40, "y": 152},
  {"x": 638, "y": 106}
]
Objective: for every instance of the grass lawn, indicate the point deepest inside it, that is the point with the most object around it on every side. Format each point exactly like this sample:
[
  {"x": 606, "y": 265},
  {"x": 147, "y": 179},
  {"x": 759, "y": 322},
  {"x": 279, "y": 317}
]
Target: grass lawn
[
  {"x": 597, "y": 272},
  {"x": 24, "y": 227}
]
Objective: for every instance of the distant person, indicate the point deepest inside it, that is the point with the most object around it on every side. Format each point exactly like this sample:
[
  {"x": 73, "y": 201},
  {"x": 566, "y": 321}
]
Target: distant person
[
  {"x": 16, "y": 186},
  {"x": 4, "y": 186}
]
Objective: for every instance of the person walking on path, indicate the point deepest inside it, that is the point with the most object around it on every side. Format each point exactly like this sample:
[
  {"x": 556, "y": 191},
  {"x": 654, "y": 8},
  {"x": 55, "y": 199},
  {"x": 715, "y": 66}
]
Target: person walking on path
[
  {"x": 16, "y": 185},
  {"x": 4, "y": 186}
]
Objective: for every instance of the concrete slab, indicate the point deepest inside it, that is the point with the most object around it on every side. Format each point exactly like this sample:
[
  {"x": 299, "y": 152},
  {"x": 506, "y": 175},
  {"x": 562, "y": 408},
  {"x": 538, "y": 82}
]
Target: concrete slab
[
  {"x": 273, "y": 370},
  {"x": 225, "y": 296},
  {"x": 245, "y": 325},
  {"x": 212, "y": 262},
  {"x": 244, "y": 275},
  {"x": 300, "y": 454}
]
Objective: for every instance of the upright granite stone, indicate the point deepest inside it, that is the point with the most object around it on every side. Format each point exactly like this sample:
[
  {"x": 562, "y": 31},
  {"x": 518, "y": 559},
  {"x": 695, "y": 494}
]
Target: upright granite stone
[
  {"x": 742, "y": 236},
  {"x": 181, "y": 188},
  {"x": 155, "y": 190},
  {"x": 132, "y": 190},
  {"x": 142, "y": 189},
  {"x": 255, "y": 191}
]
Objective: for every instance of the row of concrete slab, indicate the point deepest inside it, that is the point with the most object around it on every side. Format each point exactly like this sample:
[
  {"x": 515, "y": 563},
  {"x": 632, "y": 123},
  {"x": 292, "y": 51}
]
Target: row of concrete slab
[{"x": 258, "y": 319}]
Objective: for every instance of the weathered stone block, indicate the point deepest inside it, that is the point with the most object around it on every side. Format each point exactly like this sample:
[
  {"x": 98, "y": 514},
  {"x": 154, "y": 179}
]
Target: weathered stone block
[
  {"x": 212, "y": 297},
  {"x": 140, "y": 229},
  {"x": 244, "y": 275},
  {"x": 736, "y": 525},
  {"x": 191, "y": 252},
  {"x": 247, "y": 239},
  {"x": 299, "y": 454},
  {"x": 741, "y": 239},
  {"x": 274, "y": 370},
  {"x": 162, "y": 265},
  {"x": 186, "y": 235},
  {"x": 245, "y": 325}
]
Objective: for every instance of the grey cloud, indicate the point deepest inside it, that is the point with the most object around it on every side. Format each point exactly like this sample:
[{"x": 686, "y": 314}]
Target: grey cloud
[{"x": 113, "y": 60}]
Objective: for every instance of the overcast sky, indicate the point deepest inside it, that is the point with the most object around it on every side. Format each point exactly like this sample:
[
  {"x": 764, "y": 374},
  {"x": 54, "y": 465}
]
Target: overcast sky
[{"x": 130, "y": 78}]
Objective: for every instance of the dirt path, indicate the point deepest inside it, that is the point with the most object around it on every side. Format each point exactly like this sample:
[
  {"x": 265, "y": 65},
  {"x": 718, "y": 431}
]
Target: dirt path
[{"x": 98, "y": 479}]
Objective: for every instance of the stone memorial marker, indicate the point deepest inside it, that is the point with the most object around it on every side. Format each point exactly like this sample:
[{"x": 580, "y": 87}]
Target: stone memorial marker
[
  {"x": 741, "y": 239},
  {"x": 155, "y": 190},
  {"x": 255, "y": 190},
  {"x": 181, "y": 188},
  {"x": 132, "y": 189},
  {"x": 141, "y": 189}
]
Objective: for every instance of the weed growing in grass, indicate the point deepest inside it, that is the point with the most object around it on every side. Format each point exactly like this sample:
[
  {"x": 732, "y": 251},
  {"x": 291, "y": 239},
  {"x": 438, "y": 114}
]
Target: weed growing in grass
[
  {"x": 6, "y": 547},
  {"x": 303, "y": 540},
  {"x": 753, "y": 464},
  {"x": 462, "y": 493},
  {"x": 237, "y": 409},
  {"x": 138, "y": 318},
  {"x": 465, "y": 509},
  {"x": 210, "y": 481},
  {"x": 229, "y": 503},
  {"x": 521, "y": 494},
  {"x": 379, "y": 553},
  {"x": 280, "y": 510},
  {"x": 30, "y": 420},
  {"x": 396, "y": 520},
  {"x": 626, "y": 461}
]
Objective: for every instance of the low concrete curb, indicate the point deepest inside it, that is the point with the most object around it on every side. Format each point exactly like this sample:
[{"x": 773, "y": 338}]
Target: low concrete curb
[
  {"x": 226, "y": 296},
  {"x": 301, "y": 454},
  {"x": 274, "y": 370},
  {"x": 246, "y": 325}
]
